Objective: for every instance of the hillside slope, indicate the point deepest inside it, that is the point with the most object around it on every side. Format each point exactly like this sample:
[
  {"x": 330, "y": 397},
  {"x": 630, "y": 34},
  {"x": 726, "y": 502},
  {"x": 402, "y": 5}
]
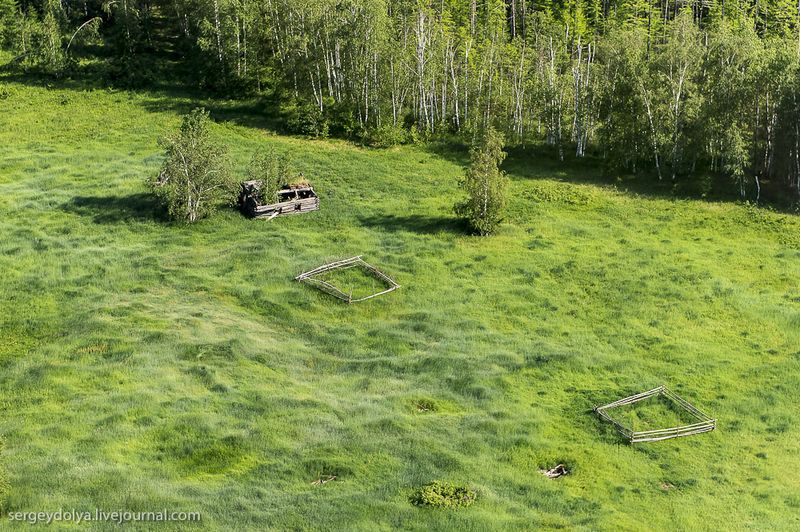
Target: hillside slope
[{"x": 147, "y": 365}]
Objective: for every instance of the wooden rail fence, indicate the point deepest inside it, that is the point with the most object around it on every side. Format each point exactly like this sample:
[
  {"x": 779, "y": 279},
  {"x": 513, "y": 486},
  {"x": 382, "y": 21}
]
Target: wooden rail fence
[
  {"x": 311, "y": 278},
  {"x": 704, "y": 424}
]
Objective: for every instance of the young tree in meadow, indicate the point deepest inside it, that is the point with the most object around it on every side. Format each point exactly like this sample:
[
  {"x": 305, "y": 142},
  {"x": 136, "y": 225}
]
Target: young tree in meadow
[
  {"x": 195, "y": 178},
  {"x": 485, "y": 184}
]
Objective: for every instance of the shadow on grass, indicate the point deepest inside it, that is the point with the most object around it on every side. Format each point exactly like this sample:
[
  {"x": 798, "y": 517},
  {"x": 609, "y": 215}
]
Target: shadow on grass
[
  {"x": 427, "y": 225},
  {"x": 139, "y": 207},
  {"x": 252, "y": 112},
  {"x": 455, "y": 151},
  {"x": 540, "y": 161},
  {"x": 159, "y": 93}
]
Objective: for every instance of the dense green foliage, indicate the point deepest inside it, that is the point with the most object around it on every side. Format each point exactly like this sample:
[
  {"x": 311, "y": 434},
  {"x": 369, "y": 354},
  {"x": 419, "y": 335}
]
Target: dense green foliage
[
  {"x": 691, "y": 91},
  {"x": 194, "y": 179},
  {"x": 443, "y": 495},
  {"x": 273, "y": 170},
  {"x": 132, "y": 378},
  {"x": 485, "y": 184}
]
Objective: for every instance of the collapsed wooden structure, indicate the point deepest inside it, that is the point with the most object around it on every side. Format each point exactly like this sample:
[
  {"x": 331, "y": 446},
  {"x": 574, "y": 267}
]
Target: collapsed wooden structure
[
  {"x": 704, "y": 424},
  {"x": 312, "y": 278},
  {"x": 291, "y": 199}
]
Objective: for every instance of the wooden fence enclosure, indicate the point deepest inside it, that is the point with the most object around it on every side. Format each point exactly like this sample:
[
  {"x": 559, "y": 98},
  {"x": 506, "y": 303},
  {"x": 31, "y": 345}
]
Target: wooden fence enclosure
[
  {"x": 704, "y": 422},
  {"x": 312, "y": 278}
]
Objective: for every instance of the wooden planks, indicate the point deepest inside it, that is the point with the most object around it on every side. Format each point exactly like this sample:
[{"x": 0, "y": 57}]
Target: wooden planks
[
  {"x": 286, "y": 208},
  {"x": 301, "y": 200}
]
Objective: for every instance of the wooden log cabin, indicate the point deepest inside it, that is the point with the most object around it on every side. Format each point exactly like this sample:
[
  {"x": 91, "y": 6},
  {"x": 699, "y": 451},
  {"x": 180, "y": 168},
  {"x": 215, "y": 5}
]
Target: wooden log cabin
[{"x": 291, "y": 199}]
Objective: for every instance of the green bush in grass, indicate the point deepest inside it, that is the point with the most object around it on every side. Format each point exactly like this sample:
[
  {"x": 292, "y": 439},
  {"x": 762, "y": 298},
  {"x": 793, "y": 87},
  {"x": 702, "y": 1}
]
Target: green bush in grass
[{"x": 443, "y": 495}]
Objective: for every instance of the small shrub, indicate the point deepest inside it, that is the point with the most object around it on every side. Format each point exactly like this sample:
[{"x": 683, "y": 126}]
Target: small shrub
[
  {"x": 443, "y": 495},
  {"x": 417, "y": 135},
  {"x": 6, "y": 92},
  {"x": 305, "y": 118},
  {"x": 385, "y": 136}
]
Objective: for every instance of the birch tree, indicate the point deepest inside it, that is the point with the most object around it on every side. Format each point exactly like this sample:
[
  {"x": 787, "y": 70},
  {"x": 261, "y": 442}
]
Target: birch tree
[{"x": 194, "y": 179}]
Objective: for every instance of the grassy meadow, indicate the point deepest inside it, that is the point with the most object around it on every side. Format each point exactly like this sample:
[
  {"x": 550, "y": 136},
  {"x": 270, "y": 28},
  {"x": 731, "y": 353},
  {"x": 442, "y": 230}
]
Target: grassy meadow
[{"x": 148, "y": 365}]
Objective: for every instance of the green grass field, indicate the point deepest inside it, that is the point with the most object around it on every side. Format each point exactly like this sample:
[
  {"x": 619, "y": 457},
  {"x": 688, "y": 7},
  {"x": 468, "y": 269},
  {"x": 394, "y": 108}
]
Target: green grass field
[{"x": 147, "y": 365}]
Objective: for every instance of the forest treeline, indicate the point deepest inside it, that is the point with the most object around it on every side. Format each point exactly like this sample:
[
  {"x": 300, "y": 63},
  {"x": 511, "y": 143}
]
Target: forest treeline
[{"x": 691, "y": 92}]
